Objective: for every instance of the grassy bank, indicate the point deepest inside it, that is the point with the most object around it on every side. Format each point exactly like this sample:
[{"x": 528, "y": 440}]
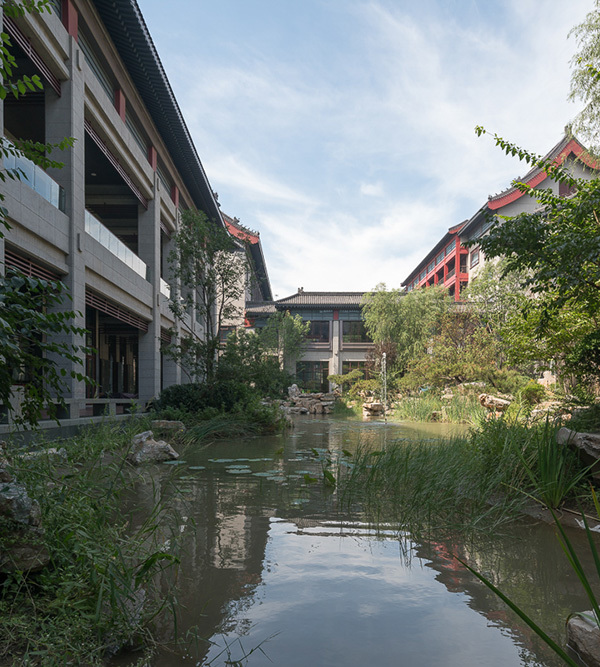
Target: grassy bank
[
  {"x": 476, "y": 482},
  {"x": 460, "y": 409},
  {"x": 98, "y": 592}
]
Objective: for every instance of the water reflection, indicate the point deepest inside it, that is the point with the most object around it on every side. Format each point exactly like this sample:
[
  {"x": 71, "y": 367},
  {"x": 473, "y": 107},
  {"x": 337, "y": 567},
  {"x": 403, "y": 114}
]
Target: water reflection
[{"x": 274, "y": 559}]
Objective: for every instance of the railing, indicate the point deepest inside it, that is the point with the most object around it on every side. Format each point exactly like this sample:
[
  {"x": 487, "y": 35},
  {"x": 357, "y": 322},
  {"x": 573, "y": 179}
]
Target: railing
[
  {"x": 105, "y": 237},
  {"x": 165, "y": 288},
  {"x": 37, "y": 179},
  {"x": 451, "y": 274}
]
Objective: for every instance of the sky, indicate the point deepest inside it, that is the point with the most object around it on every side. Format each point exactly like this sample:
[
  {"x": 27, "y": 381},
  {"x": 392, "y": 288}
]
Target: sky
[{"x": 343, "y": 130}]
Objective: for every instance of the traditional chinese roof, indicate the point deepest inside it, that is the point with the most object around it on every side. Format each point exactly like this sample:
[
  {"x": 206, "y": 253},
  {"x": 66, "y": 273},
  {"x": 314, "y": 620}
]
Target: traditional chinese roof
[
  {"x": 126, "y": 26},
  {"x": 235, "y": 228},
  {"x": 254, "y": 247},
  {"x": 304, "y": 299},
  {"x": 257, "y": 309},
  {"x": 430, "y": 256},
  {"x": 566, "y": 147}
]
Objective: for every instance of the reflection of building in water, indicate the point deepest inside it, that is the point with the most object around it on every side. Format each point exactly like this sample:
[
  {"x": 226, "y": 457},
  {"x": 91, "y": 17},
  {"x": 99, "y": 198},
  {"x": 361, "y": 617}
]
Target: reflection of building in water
[{"x": 232, "y": 541}]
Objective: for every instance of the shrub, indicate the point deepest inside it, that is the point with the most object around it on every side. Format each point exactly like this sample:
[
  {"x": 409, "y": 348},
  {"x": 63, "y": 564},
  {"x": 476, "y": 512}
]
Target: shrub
[{"x": 532, "y": 393}]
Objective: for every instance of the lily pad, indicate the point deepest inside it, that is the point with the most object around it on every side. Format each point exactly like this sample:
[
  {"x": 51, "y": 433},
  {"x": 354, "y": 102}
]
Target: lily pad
[
  {"x": 197, "y": 468},
  {"x": 173, "y": 463},
  {"x": 239, "y": 471}
]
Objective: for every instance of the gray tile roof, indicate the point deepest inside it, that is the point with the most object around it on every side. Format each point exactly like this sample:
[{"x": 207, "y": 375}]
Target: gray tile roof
[
  {"x": 260, "y": 309},
  {"x": 321, "y": 299}
]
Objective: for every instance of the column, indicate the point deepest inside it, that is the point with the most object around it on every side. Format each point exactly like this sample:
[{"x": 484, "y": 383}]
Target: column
[
  {"x": 149, "y": 343},
  {"x": 64, "y": 118}
]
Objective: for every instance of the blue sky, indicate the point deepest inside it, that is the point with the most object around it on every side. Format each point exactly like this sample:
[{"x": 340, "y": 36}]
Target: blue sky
[{"x": 343, "y": 130}]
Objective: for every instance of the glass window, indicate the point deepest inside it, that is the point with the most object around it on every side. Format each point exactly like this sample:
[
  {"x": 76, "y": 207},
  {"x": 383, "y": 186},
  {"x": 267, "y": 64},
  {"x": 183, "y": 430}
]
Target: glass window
[
  {"x": 348, "y": 366},
  {"x": 439, "y": 258},
  {"x": 312, "y": 375},
  {"x": 430, "y": 267},
  {"x": 474, "y": 257},
  {"x": 354, "y": 332},
  {"x": 318, "y": 331}
]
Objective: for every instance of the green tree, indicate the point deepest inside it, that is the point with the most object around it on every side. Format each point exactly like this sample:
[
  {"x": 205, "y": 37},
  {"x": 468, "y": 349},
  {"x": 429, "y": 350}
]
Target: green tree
[
  {"x": 584, "y": 77},
  {"x": 283, "y": 336},
  {"x": 403, "y": 322},
  {"x": 557, "y": 246},
  {"x": 29, "y": 330},
  {"x": 555, "y": 251},
  {"x": 463, "y": 350},
  {"x": 209, "y": 273}
]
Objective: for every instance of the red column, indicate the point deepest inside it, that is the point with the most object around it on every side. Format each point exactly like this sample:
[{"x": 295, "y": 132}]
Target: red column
[
  {"x": 120, "y": 103},
  {"x": 152, "y": 157},
  {"x": 69, "y": 17},
  {"x": 175, "y": 195}
]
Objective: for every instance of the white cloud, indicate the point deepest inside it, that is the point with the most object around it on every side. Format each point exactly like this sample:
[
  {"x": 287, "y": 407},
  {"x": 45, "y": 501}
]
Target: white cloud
[
  {"x": 354, "y": 160},
  {"x": 372, "y": 189}
]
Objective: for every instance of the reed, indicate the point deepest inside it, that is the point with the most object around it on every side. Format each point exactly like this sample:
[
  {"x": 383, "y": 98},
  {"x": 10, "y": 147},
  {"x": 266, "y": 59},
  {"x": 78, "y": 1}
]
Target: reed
[{"x": 100, "y": 591}]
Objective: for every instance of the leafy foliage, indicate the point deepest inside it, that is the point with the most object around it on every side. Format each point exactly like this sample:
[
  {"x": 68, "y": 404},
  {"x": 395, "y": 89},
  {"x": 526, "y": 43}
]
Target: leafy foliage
[
  {"x": 284, "y": 335},
  {"x": 26, "y": 323},
  {"x": 404, "y": 321},
  {"x": 584, "y": 76},
  {"x": 29, "y": 344},
  {"x": 209, "y": 280}
]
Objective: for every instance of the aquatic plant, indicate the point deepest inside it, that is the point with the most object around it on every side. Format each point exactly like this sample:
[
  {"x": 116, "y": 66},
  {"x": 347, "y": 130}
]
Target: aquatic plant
[
  {"x": 99, "y": 593},
  {"x": 437, "y": 485}
]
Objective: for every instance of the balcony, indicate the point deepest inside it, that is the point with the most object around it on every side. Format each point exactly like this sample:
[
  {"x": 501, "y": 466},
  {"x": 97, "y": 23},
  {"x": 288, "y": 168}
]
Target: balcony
[
  {"x": 37, "y": 179},
  {"x": 451, "y": 274},
  {"x": 165, "y": 288},
  {"x": 105, "y": 237}
]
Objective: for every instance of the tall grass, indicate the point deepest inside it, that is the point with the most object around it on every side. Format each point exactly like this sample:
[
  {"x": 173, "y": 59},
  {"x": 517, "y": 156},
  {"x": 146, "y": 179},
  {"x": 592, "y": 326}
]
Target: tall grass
[
  {"x": 98, "y": 593},
  {"x": 475, "y": 482},
  {"x": 461, "y": 409}
]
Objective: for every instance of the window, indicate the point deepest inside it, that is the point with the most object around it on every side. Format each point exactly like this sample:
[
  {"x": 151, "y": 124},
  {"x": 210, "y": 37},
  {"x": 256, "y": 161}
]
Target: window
[
  {"x": 354, "y": 332},
  {"x": 224, "y": 333},
  {"x": 318, "y": 331},
  {"x": 348, "y": 366},
  {"x": 312, "y": 375},
  {"x": 431, "y": 267},
  {"x": 439, "y": 258},
  {"x": 474, "y": 257},
  {"x": 449, "y": 249},
  {"x": 95, "y": 65}
]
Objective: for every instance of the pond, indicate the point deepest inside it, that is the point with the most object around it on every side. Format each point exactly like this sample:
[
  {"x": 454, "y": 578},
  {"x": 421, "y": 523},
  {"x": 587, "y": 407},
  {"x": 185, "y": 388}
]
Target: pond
[{"x": 277, "y": 571}]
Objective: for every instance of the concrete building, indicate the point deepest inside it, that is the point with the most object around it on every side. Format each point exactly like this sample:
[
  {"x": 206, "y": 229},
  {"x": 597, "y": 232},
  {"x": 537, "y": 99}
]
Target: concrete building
[
  {"x": 337, "y": 341},
  {"x": 103, "y": 223}
]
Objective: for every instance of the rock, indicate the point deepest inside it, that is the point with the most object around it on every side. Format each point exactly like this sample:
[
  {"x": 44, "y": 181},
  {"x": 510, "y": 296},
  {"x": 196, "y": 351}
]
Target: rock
[
  {"x": 447, "y": 397},
  {"x": 373, "y": 408},
  {"x": 293, "y": 391},
  {"x": 17, "y": 506},
  {"x": 147, "y": 450},
  {"x": 587, "y": 444},
  {"x": 168, "y": 425},
  {"x": 493, "y": 403},
  {"x": 583, "y": 637},
  {"x": 22, "y": 547},
  {"x": 548, "y": 379}
]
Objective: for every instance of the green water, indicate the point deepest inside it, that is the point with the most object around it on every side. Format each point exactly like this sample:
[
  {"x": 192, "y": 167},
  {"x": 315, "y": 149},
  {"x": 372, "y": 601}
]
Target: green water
[{"x": 276, "y": 564}]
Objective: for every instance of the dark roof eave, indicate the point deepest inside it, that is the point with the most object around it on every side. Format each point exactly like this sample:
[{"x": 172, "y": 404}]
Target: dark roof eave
[{"x": 124, "y": 21}]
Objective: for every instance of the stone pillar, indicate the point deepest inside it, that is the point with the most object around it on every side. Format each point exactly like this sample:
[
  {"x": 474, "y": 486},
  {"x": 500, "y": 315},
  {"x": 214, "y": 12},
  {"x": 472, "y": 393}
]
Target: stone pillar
[
  {"x": 171, "y": 369},
  {"x": 149, "y": 252},
  {"x": 336, "y": 339},
  {"x": 64, "y": 118}
]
